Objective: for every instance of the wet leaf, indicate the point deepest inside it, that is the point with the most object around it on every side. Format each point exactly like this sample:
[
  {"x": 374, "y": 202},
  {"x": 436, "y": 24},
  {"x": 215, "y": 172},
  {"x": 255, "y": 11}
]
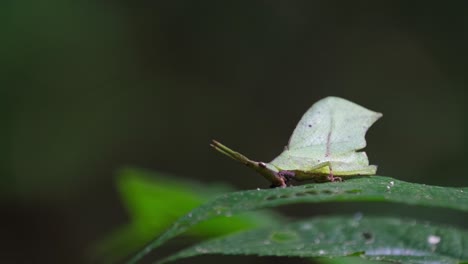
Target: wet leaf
[
  {"x": 374, "y": 238},
  {"x": 372, "y": 189}
]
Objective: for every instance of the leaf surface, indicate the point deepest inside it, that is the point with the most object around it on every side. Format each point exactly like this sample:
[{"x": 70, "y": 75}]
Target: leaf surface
[
  {"x": 375, "y": 188},
  {"x": 372, "y": 237}
]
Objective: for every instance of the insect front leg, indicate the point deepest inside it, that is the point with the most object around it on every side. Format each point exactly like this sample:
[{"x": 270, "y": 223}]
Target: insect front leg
[{"x": 287, "y": 176}]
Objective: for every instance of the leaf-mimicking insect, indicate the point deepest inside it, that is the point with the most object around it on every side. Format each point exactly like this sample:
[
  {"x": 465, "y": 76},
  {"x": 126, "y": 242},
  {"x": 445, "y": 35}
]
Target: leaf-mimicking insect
[{"x": 325, "y": 145}]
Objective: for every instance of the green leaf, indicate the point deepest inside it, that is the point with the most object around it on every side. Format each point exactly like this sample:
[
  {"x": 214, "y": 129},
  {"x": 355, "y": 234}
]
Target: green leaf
[
  {"x": 373, "y": 237},
  {"x": 348, "y": 260},
  {"x": 154, "y": 201},
  {"x": 326, "y": 142},
  {"x": 375, "y": 188}
]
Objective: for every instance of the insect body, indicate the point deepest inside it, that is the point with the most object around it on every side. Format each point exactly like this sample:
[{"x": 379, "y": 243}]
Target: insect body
[{"x": 324, "y": 145}]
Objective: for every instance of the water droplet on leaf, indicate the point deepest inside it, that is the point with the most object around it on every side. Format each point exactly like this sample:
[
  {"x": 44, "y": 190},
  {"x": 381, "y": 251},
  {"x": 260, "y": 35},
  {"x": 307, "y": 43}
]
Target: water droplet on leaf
[{"x": 433, "y": 240}]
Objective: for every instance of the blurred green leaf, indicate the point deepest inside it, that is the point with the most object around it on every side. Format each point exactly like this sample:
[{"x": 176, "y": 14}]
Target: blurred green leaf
[
  {"x": 372, "y": 189},
  {"x": 348, "y": 260},
  {"x": 405, "y": 241},
  {"x": 154, "y": 201}
]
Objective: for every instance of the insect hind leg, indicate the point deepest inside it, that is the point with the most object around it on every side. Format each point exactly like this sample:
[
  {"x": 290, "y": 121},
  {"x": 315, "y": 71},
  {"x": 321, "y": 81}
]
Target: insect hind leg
[{"x": 330, "y": 176}]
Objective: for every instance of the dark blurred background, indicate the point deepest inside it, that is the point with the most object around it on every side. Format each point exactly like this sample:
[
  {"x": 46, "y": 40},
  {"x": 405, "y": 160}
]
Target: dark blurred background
[{"x": 90, "y": 86}]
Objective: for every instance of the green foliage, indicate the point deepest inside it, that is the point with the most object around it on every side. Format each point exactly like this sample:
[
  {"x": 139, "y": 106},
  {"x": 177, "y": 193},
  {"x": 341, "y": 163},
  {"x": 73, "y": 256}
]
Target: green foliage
[
  {"x": 343, "y": 236},
  {"x": 371, "y": 189},
  {"x": 154, "y": 201}
]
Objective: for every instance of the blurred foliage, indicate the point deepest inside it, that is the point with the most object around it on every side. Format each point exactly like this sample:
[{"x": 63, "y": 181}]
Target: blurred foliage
[
  {"x": 347, "y": 260},
  {"x": 154, "y": 201}
]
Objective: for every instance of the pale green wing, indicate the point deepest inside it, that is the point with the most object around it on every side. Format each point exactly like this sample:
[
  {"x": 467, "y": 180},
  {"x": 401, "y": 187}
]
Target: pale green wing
[{"x": 332, "y": 130}]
